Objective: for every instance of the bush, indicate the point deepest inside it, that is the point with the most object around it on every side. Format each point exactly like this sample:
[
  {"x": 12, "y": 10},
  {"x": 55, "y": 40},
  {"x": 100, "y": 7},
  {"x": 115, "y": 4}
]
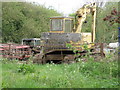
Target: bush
[{"x": 26, "y": 68}]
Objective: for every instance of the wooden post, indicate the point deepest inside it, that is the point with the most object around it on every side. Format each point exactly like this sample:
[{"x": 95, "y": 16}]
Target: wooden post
[
  {"x": 93, "y": 23},
  {"x": 119, "y": 42},
  {"x": 101, "y": 50},
  {"x": 9, "y": 51}
]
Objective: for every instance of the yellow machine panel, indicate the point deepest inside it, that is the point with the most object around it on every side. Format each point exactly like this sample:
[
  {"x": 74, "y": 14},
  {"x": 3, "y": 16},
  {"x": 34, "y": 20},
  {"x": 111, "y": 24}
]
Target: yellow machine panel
[{"x": 86, "y": 37}]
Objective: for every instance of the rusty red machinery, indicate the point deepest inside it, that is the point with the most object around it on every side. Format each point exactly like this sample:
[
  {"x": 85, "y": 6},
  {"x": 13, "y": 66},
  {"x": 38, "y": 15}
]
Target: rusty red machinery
[{"x": 15, "y": 51}]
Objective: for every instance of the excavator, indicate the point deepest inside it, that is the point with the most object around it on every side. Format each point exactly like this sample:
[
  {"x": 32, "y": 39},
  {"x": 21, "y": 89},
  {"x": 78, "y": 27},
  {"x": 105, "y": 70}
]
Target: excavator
[{"x": 65, "y": 38}]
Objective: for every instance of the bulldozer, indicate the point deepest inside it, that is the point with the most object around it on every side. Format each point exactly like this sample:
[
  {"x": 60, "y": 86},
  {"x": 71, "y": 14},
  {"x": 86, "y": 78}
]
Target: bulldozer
[{"x": 65, "y": 38}]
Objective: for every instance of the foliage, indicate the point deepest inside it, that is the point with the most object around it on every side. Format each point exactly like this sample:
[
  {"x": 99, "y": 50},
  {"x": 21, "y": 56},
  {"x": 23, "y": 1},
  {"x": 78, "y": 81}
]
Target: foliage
[
  {"x": 26, "y": 68},
  {"x": 91, "y": 74},
  {"x": 113, "y": 18},
  {"x": 24, "y": 20},
  {"x": 104, "y": 31}
]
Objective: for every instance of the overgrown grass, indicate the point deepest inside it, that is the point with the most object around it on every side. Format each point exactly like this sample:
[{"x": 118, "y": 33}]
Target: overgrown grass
[{"x": 88, "y": 74}]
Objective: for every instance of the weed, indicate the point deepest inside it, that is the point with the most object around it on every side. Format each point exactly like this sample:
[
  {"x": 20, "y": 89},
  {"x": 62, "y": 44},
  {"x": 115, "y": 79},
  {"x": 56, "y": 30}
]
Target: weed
[
  {"x": 26, "y": 68},
  {"x": 77, "y": 52}
]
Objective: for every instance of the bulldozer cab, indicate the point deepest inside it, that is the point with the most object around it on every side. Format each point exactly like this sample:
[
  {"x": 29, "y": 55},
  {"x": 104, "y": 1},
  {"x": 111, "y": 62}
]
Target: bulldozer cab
[{"x": 61, "y": 24}]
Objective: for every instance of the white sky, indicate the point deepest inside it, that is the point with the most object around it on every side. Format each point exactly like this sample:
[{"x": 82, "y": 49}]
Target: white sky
[{"x": 63, "y": 6}]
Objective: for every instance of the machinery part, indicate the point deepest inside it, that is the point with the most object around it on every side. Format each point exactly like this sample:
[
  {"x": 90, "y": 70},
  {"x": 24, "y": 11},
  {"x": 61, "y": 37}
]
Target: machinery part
[
  {"x": 81, "y": 15},
  {"x": 15, "y": 51},
  {"x": 39, "y": 59},
  {"x": 34, "y": 44},
  {"x": 69, "y": 59},
  {"x": 52, "y": 41}
]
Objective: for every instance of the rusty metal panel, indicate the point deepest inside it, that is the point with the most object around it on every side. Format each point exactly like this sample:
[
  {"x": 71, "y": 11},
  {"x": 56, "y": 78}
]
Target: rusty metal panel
[
  {"x": 54, "y": 57},
  {"x": 60, "y": 37},
  {"x": 58, "y": 40}
]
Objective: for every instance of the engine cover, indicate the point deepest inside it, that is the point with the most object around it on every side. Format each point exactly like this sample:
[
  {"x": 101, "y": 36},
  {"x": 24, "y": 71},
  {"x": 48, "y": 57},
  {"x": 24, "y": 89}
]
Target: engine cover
[{"x": 58, "y": 40}]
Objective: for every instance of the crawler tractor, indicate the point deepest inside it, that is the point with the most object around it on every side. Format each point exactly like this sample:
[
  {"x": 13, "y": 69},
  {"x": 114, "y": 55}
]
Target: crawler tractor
[{"x": 64, "y": 33}]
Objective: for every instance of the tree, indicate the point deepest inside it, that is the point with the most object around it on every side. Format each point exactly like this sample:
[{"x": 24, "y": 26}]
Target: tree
[
  {"x": 104, "y": 31},
  {"x": 24, "y": 20},
  {"x": 113, "y": 18}
]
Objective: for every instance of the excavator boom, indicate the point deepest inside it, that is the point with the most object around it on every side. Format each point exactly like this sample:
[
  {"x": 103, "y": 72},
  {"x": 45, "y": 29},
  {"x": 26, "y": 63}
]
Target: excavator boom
[{"x": 81, "y": 15}]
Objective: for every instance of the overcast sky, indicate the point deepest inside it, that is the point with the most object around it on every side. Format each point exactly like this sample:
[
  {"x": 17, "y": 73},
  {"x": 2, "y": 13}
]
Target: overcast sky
[
  {"x": 66, "y": 6},
  {"x": 63, "y": 6}
]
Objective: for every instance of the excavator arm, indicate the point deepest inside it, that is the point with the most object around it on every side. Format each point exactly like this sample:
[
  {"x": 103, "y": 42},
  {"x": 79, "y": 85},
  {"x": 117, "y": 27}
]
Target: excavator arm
[{"x": 81, "y": 15}]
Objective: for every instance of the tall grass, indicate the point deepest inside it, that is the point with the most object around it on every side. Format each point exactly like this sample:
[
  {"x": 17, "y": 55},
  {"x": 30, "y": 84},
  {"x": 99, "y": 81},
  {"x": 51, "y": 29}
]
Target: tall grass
[{"x": 88, "y": 74}]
